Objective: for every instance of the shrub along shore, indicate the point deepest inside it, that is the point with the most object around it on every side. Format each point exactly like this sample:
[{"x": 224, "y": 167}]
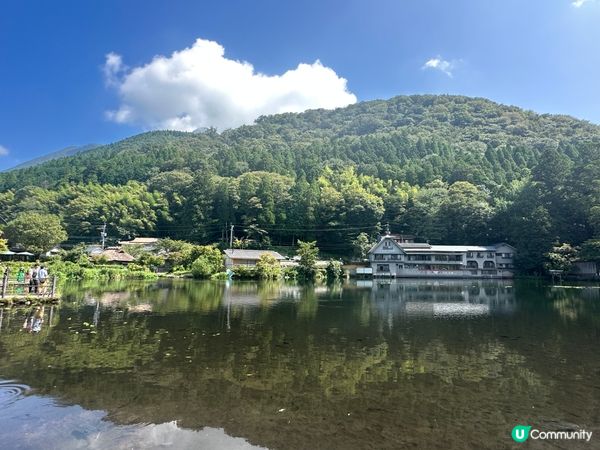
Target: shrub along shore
[{"x": 178, "y": 259}]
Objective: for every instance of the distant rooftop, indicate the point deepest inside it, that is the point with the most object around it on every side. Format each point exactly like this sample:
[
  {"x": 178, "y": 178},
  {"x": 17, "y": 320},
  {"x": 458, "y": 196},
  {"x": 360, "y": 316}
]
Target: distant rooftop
[
  {"x": 448, "y": 248},
  {"x": 411, "y": 245},
  {"x": 116, "y": 255},
  {"x": 251, "y": 254},
  {"x": 140, "y": 241}
]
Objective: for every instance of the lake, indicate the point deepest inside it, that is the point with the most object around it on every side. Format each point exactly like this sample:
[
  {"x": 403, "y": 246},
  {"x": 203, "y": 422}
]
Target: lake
[{"x": 241, "y": 365}]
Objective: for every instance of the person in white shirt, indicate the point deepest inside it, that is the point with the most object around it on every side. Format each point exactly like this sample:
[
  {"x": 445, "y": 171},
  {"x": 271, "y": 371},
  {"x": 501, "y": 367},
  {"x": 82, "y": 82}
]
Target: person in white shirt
[{"x": 42, "y": 277}]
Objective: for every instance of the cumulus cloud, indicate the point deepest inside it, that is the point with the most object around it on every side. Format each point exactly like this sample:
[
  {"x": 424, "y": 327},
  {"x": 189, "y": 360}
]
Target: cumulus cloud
[
  {"x": 3, "y": 151},
  {"x": 440, "y": 64},
  {"x": 199, "y": 87}
]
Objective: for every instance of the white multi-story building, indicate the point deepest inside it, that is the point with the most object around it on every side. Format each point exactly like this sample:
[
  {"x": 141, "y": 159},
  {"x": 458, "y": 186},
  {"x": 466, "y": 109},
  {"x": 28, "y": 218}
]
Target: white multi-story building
[{"x": 399, "y": 256}]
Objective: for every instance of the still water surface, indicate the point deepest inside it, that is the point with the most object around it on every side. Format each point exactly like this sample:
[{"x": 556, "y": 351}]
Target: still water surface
[{"x": 366, "y": 365}]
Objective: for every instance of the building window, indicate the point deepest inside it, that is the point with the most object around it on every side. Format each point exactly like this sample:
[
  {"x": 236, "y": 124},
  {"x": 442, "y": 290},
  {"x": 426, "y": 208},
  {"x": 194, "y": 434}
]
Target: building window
[
  {"x": 469, "y": 254},
  {"x": 387, "y": 244},
  {"x": 488, "y": 265},
  {"x": 419, "y": 258},
  {"x": 378, "y": 257},
  {"x": 393, "y": 257},
  {"x": 472, "y": 264},
  {"x": 383, "y": 267},
  {"x": 504, "y": 255}
]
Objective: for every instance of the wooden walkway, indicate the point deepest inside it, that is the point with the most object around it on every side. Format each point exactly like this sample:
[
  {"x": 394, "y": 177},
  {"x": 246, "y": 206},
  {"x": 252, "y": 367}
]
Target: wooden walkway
[{"x": 20, "y": 293}]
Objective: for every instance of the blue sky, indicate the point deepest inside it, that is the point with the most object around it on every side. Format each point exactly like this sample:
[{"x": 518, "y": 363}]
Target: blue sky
[{"x": 56, "y": 88}]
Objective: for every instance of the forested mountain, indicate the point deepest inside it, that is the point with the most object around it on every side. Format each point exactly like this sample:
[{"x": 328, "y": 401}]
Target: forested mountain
[
  {"x": 62, "y": 153},
  {"x": 447, "y": 168}
]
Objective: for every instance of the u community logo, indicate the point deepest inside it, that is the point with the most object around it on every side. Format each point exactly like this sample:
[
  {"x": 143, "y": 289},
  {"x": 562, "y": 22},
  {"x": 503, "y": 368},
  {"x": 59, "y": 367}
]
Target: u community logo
[{"x": 521, "y": 433}]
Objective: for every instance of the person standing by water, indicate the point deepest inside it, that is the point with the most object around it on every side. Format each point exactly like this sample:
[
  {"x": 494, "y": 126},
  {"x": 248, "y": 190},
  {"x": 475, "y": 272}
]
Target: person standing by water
[
  {"x": 28, "y": 279},
  {"x": 42, "y": 277},
  {"x": 34, "y": 283},
  {"x": 21, "y": 280}
]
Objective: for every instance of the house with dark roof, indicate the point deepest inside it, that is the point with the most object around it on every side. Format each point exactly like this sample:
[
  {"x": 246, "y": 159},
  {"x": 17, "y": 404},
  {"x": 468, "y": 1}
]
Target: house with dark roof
[{"x": 240, "y": 257}]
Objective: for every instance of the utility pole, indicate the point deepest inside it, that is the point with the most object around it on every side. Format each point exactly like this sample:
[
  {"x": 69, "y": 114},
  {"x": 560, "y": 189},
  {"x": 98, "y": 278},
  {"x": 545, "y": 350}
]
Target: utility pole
[
  {"x": 103, "y": 235},
  {"x": 231, "y": 237}
]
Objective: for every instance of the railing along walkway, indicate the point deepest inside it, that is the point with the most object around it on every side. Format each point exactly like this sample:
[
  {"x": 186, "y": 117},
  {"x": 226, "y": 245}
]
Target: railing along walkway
[{"x": 20, "y": 290}]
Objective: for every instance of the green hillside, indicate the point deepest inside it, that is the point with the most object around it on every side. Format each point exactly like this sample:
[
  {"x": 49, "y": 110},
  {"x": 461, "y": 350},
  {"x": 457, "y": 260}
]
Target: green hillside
[
  {"x": 450, "y": 169},
  {"x": 63, "y": 153}
]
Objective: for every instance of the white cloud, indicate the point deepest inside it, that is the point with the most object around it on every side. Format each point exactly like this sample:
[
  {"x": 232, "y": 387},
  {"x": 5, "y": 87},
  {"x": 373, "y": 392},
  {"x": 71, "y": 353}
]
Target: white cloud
[
  {"x": 440, "y": 64},
  {"x": 579, "y": 3},
  {"x": 112, "y": 69},
  {"x": 3, "y": 151},
  {"x": 199, "y": 87}
]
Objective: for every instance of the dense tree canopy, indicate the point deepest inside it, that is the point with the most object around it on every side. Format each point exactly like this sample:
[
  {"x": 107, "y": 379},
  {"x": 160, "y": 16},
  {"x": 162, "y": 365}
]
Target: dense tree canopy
[
  {"x": 35, "y": 232},
  {"x": 448, "y": 169}
]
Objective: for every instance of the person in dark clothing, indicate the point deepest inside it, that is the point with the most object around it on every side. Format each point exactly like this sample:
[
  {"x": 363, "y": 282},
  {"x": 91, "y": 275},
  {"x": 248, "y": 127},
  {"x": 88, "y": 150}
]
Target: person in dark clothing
[{"x": 35, "y": 282}]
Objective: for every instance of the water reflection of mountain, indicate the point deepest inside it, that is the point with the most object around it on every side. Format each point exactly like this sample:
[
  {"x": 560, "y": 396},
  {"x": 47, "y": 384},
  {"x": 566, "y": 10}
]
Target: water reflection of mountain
[
  {"x": 443, "y": 298},
  {"x": 283, "y": 366}
]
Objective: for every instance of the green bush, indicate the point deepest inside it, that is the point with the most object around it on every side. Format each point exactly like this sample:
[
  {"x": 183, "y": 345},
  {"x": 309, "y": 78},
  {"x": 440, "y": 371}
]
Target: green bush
[
  {"x": 208, "y": 262},
  {"x": 245, "y": 273},
  {"x": 268, "y": 267},
  {"x": 67, "y": 270},
  {"x": 290, "y": 272},
  {"x": 149, "y": 260},
  {"x": 219, "y": 276},
  {"x": 334, "y": 270},
  {"x": 308, "y": 253},
  {"x": 202, "y": 268}
]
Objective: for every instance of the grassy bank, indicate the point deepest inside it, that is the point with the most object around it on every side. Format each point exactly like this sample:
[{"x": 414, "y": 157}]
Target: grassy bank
[{"x": 70, "y": 271}]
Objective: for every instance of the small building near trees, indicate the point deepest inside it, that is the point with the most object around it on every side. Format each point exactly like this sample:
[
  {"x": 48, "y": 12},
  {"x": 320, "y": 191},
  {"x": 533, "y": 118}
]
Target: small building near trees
[
  {"x": 585, "y": 270},
  {"x": 249, "y": 258},
  {"x": 145, "y": 243},
  {"x": 114, "y": 255}
]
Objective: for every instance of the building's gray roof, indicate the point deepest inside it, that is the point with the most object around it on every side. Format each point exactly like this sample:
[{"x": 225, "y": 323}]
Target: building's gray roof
[
  {"x": 140, "y": 241},
  {"x": 419, "y": 247},
  {"x": 251, "y": 254},
  {"x": 413, "y": 245},
  {"x": 93, "y": 249},
  {"x": 426, "y": 248}
]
